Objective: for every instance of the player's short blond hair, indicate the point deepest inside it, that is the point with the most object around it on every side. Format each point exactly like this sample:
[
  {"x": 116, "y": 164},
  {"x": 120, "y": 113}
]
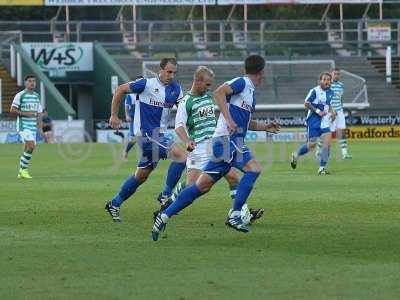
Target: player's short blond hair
[{"x": 202, "y": 71}]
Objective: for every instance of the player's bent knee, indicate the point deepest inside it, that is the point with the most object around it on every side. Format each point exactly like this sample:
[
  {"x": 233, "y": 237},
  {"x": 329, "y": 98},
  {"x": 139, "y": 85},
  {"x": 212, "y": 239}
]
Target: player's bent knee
[
  {"x": 311, "y": 146},
  {"x": 204, "y": 183},
  {"x": 232, "y": 178},
  {"x": 204, "y": 188},
  {"x": 257, "y": 168},
  {"x": 191, "y": 176},
  {"x": 141, "y": 178},
  {"x": 30, "y": 146},
  {"x": 141, "y": 175},
  {"x": 253, "y": 166}
]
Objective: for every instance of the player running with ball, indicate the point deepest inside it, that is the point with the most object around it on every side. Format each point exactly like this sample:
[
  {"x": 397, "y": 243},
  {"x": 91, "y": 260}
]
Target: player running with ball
[
  {"x": 236, "y": 101},
  {"x": 195, "y": 124},
  {"x": 156, "y": 96}
]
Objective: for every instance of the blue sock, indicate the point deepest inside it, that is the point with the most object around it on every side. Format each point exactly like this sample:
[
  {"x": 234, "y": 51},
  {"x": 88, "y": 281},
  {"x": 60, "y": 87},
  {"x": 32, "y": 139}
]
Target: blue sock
[
  {"x": 174, "y": 174},
  {"x": 129, "y": 146},
  {"x": 184, "y": 199},
  {"x": 302, "y": 150},
  {"x": 244, "y": 189},
  {"x": 324, "y": 157},
  {"x": 127, "y": 189}
]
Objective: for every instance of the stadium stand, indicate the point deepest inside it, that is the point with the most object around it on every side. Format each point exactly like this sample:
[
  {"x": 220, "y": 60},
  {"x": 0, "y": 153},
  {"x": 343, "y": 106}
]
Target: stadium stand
[
  {"x": 9, "y": 89},
  {"x": 380, "y": 64},
  {"x": 277, "y": 40},
  {"x": 381, "y": 95},
  {"x": 286, "y": 87}
]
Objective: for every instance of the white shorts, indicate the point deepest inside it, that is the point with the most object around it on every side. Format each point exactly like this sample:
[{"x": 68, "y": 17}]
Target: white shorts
[
  {"x": 199, "y": 157},
  {"x": 340, "y": 121},
  {"x": 27, "y": 136}
]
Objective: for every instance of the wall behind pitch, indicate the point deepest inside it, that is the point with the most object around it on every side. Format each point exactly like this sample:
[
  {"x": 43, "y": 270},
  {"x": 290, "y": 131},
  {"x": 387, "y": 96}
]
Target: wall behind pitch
[{"x": 104, "y": 68}]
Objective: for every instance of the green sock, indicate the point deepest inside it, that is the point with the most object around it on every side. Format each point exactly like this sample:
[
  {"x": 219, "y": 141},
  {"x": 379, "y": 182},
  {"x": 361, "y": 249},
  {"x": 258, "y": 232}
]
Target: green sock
[
  {"x": 25, "y": 159},
  {"x": 343, "y": 146},
  {"x": 179, "y": 187}
]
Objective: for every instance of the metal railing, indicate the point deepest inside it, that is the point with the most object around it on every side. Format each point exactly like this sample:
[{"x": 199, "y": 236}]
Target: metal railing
[
  {"x": 6, "y": 38},
  {"x": 275, "y": 37}
]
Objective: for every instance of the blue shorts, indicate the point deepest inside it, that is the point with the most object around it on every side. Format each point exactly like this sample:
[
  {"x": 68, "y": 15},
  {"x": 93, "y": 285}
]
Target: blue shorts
[
  {"x": 313, "y": 133},
  {"x": 226, "y": 154},
  {"x": 152, "y": 150}
]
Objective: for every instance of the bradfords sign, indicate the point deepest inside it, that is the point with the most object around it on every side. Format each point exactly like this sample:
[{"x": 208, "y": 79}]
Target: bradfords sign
[
  {"x": 370, "y": 133},
  {"x": 69, "y": 57}
]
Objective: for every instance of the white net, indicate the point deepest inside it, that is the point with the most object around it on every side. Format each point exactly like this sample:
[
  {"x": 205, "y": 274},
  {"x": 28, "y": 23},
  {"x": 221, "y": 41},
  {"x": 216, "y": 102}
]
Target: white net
[{"x": 286, "y": 84}]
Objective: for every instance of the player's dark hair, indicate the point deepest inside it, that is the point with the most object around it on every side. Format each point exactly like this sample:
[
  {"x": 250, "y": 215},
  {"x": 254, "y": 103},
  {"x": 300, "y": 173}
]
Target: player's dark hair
[
  {"x": 254, "y": 64},
  {"x": 29, "y": 76},
  {"x": 335, "y": 70},
  {"x": 325, "y": 73},
  {"x": 166, "y": 60}
]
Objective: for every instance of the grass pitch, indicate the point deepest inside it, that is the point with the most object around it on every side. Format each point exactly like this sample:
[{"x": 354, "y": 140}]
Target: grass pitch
[{"x": 332, "y": 237}]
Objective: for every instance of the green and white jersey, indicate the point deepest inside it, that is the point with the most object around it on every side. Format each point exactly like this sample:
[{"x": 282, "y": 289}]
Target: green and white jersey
[
  {"x": 197, "y": 115},
  {"x": 27, "y": 102},
  {"x": 338, "y": 88}
]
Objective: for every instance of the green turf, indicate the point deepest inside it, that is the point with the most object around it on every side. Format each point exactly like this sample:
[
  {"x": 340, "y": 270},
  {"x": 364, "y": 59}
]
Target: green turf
[{"x": 332, "y": 237}]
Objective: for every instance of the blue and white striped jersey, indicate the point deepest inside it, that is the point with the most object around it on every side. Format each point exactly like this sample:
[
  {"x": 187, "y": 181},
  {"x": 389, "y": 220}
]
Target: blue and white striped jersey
[
  {"x": 241, "y": 106},
  {"x": 320, "y": 99},
  {"x": 155, "y": 101}
]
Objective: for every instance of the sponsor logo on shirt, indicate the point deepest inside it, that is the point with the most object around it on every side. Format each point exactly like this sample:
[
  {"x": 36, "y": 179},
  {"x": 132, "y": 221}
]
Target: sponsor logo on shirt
[
  {"x": 156, "y": 103},
  {"x": 246, "y": 106},
  {"x": 30, "y": 106},
  {"x": 206, "y": 111}
]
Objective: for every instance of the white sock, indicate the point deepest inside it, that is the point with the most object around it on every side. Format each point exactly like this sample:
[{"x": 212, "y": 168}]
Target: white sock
[
  {"x": 164, "y": 218},
  {"x": 235, "y": 213}
]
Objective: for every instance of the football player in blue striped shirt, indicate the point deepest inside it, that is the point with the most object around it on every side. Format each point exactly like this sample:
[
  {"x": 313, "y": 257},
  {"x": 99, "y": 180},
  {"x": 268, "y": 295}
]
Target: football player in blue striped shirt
[
  {"x": 236, "y": 101},
  {"x": 318, "y": 121}
]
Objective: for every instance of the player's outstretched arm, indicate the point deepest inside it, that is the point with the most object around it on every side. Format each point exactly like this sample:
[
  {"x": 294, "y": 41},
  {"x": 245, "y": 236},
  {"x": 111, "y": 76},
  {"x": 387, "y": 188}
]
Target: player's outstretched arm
[
  {"x": 220, "y": 95},
  {"x": 116, "y": 100},
  {"x": 262, "y": 126}
]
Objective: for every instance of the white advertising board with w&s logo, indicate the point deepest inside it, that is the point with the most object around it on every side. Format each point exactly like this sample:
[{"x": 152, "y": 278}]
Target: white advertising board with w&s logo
[{"x": 70, "y": 57}]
